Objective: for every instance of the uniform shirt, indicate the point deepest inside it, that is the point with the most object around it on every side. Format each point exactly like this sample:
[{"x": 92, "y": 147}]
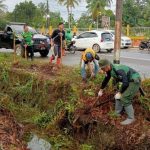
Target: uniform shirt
[
  {"x": 68, "y": 35},
  {"x": 57, "y": 38},
  {"x": 27, "y": 36},
  {"x": 88, "y": 50},
  {"x": 121, "y": 73}
]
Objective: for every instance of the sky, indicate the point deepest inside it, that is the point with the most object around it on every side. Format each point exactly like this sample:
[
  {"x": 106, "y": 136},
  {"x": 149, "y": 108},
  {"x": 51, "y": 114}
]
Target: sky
[{"x": 54, "y": 6}]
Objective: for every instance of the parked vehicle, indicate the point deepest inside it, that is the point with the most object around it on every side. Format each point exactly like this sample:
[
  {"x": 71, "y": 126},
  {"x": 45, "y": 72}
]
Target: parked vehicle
[
  {"x": 98, "y": 40},
  {"x": 144, "y": 45},
  {"x": 70, "y": 47},
  {"x": 126, "y": 42},
  {"x": 41, "y": 43}
]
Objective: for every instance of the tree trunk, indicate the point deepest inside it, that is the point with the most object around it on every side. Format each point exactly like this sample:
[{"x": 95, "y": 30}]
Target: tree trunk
[
  {"x": 118, "y": 26},
  {"x": 68, "y": 16}
]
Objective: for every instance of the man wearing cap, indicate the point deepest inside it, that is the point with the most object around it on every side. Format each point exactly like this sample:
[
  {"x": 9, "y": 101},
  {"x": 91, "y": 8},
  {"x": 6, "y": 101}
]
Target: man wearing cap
[
  {"x": 56, "y": 37},
  {"x": 130, "y": 84},
  {"x": 87, "y": 57}
]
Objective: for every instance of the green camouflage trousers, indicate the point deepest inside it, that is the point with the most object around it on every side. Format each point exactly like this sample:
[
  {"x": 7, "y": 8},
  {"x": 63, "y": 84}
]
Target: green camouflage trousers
[{"x": 129, "y": 94}]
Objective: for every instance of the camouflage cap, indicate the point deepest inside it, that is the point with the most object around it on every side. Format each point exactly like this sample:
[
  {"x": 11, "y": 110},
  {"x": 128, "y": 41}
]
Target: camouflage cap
[{"x": 103, "y": 63}]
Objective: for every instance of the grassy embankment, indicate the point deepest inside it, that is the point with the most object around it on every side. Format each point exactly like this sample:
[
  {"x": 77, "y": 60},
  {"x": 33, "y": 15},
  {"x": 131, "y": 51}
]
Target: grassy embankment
[{"x": 53, "y": 104}]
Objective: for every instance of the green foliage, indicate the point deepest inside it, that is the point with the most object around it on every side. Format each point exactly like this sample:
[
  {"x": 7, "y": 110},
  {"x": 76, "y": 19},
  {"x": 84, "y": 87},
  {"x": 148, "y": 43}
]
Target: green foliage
[
  {"x": 84, "y": 21},
  {"x": 113, "y": 114},
  {"x": 40, "y": 104},
  {"x": 136, "y": 13},
  {"x": 42, "y": 119},
  {"x": 25, "y": 89},
  {"x": 5, "y": 76},
  {"x": 96, "y": 6},
  {"x": 86, "y": 147},
  {"x": 145, "y": 102},
  {"x": 33, "y": 15},
  {"x": 60, "y": 142},
  {"x": 3, "y": 23},
  {"x": 2, "y": 6},
  {"x": 89, "y": 92}
]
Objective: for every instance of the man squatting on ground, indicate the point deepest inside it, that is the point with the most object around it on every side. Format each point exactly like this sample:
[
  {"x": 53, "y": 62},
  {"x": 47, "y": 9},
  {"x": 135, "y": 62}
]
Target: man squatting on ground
[
  {"x": 130, "y": 80},
  {"x": 56, "y": 42},
  {"x": 87, "y": 57},
  {"x": 27, "y": 41}
]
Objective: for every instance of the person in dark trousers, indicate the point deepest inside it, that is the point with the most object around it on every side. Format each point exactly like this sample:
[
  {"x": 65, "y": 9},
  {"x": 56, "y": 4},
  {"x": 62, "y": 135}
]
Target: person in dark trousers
[
  {"x": 27, "y": 41},
  {"x": 130, "y": 83},
  {"x": 56, "y": 42}
]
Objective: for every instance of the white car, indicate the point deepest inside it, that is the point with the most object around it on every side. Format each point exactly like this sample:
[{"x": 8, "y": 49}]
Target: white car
[
  {"x": 126, "y": 42},
  {"x": 98, "y": 40}
]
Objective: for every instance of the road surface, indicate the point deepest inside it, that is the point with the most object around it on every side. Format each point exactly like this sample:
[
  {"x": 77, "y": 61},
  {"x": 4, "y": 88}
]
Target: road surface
[{"x": 137, "y": 59}]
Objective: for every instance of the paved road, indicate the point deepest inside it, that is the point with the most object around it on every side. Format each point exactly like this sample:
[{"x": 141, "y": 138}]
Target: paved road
[{"x": 139, "y": 60}]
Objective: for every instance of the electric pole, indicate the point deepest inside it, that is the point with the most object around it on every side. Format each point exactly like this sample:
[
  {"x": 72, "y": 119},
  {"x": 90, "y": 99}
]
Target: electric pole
[
  {"x": 118, "y": 27},
  {"x": 47, "y": 14}
]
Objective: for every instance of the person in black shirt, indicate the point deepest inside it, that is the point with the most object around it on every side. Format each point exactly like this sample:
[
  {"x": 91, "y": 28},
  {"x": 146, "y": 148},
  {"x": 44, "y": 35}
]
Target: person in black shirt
[{"x": 57, "y": 43}]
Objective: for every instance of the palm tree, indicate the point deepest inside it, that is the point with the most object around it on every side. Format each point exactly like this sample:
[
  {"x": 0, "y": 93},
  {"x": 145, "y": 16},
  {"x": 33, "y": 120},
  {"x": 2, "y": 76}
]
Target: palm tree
[
  {"x": 69, "y": 5},
  {"x": 2, "y": 6},
  {"x": 97, "y": 6}
]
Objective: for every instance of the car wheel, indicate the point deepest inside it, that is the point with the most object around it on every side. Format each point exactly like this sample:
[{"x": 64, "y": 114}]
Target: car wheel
[
  {"x": 72, "y": 49},
  {"x": 109, "y": 50},
  {"x": 44, "y": 53},
  {"x": 96, "y": 48},
  {"x": 141, "y": 47}
]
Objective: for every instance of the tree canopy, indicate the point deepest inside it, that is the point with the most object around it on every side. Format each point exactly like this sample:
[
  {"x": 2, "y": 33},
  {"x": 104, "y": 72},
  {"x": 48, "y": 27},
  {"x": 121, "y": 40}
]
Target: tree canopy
[{"x": 136, "y": 12}]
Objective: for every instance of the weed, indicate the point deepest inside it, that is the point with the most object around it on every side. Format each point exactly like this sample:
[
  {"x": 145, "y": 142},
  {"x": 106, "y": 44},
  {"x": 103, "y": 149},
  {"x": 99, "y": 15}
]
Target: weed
[
  {"x": 113, "y": 114},
  {"x": 5, "y": 76},
  {"x": 86, "y": 147},
  {"x": 89, "y": 92}
]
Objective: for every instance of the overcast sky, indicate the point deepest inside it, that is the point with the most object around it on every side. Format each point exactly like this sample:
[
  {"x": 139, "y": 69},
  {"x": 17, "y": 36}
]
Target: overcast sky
[{"x": 54, "y": 6}]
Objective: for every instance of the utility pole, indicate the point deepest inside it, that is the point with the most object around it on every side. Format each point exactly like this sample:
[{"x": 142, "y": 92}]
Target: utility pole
[
  {"x": 47, "y": 15},
  {"x": 97, "y": 22},
  {"x": 118, "y": 27}
]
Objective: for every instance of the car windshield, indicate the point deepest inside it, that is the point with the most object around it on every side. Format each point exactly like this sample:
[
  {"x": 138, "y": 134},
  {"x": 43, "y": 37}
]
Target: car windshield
[
  {"x": 19, "y": 29},
  {"x": 113, "y": 32}
]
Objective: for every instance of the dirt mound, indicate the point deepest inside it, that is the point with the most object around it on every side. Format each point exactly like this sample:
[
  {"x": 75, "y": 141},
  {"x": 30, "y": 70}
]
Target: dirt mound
[
  {"x": 43, "y": 69},
  {"x": 96, "y": 111},
  {"x": 10, "y": 132}
]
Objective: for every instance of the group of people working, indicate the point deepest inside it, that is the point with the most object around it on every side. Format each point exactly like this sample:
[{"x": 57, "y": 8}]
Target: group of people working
[
  {"x": 130, "y": 79},
  {"x": 123, "y": 75}
]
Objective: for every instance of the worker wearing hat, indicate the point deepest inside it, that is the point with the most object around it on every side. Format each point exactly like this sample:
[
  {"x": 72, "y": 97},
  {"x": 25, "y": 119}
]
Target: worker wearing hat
[
  {"x": 130, "y": 80},
  {"x": 87, "y": 57}
]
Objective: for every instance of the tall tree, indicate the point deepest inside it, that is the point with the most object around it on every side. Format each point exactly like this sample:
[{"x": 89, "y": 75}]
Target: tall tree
[
  {"x": 69, "y": 5},
  {"x": 2, "y": 6},
  {"x": 97, "y": 6},
  {"x": 130, "y": 13},
  {"x": 136, "y": 12},
  {"x": 25, "y": 11},
  {"x": 85, "y": 21},
  {"x": 2, "y": 14}
]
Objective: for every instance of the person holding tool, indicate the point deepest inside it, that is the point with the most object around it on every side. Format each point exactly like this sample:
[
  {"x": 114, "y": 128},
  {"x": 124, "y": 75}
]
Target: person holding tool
[
  {"x": 27, "y": 42},
  {"x": 130, "y": 85},
  {"x": 89, "y": 56},
  {"x": 57, "y": 40}
]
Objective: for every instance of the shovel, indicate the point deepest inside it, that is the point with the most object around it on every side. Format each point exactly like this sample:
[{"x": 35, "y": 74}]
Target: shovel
[
  {"x": 89, "y": 109},
  {"x": 25, "y": 51}
]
